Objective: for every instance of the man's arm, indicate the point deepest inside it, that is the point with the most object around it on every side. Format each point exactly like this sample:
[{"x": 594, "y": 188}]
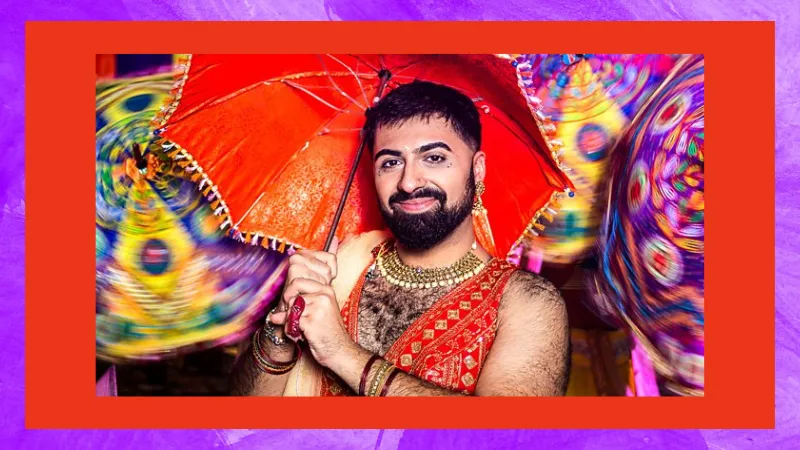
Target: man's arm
[
  {"x": 247, "y": 379},
  {"x": 350, "y": 365},
  {"x": 530, "y": 355}
]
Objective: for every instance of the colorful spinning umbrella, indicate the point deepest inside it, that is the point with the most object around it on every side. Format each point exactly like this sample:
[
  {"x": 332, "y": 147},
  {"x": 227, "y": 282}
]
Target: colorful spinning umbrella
[
  {"x": 271, "y": 140},
  {"x": 652, "y": 259},
  {"x": 168, "y": 281},
  {"x": 590, "y": 100}
]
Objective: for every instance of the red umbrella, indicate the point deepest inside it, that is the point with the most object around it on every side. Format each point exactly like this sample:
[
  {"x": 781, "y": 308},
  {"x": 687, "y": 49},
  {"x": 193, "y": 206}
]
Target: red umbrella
[{"x": 272, "y": 141}]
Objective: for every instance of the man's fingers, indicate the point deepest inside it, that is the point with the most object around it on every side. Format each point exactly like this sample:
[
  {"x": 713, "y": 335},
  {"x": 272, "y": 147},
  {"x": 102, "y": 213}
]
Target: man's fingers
[
  {"x": 300, "y": 286},
  {"x": 301, "y": 269},
  {"x": 278, "y": 318},
  {"x": 315, "y": 265},
  {"x": 328, "y": 259}
]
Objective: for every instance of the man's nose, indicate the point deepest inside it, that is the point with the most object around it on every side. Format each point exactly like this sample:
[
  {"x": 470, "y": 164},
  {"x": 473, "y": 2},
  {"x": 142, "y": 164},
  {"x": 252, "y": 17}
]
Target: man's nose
[{"x": 411, "y": 180}]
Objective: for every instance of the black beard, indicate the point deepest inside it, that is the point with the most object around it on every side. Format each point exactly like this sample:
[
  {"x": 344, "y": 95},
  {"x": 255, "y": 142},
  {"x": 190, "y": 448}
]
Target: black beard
[{"x": 423, "y": 231}]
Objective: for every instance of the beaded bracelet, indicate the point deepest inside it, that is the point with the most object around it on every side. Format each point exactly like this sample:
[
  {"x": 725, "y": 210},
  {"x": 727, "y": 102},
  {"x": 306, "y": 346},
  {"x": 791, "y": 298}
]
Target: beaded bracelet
[
  {"x": 265, "y": 363},
  {"x": 389, "y": 380},
  {"x": 363, "y": 384},
  {"x": 380, "y": 376}
]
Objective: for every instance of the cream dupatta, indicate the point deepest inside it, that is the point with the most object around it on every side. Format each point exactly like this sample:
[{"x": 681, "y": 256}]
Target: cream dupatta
[{"x": 353, "y": 257}]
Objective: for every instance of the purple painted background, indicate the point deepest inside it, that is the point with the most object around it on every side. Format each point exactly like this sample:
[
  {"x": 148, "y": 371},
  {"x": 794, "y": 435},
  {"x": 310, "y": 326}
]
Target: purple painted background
[{"x": 13, "y": 13}]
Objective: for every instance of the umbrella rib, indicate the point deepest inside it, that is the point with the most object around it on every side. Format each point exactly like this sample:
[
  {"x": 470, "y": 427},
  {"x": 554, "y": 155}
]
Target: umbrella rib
[
  {"x": 236, "y": 227},
  {"x": 358, "y": 58},
  {"x": 213, "y": 102},
  {"x": 358, "y": 80},
  {"x": 505, "y": 124},
  {"x": 402, "y": 69},
  {"x": 471, "y": 95},
  {"x": 336, "y": 85},
  {"x": 301, "y": 88},
  {"x": 316, "y": 134}
]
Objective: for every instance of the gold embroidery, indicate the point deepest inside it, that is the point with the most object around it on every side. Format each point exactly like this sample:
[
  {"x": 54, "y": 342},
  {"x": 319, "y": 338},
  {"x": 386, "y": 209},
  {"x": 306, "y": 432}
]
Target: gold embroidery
[
  {"x": 469, "y": 361},
  {"x": 465, "y": 305},
  {"x": 427, "y": 334},
  {"x": 477, "y": 296},
  {"x": 496, "y": 273},
  {"x": 416, "y": 347},
  {"x": 452, "y": 314},
  {"x": 485, "y": 286},
  {"x": 441, "y": 324},
  {"x": 405, "y": 360},
  {"x": 468, "y": 379}
]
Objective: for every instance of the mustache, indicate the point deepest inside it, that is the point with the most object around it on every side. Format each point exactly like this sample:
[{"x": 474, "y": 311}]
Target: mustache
[{"x": 427, "y": 192}]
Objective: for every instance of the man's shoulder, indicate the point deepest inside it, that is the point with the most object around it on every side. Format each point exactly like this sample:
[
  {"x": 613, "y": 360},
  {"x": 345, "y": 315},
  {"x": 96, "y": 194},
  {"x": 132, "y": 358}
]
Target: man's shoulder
[{"x": 526, "y": 289}]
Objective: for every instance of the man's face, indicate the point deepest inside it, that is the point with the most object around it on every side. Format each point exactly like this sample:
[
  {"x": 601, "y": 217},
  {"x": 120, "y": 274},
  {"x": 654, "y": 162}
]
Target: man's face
[{"x": 425, "y": 179}]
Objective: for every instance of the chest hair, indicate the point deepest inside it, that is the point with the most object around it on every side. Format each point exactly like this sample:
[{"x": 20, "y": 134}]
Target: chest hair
[{"x": 386, "y": 311}]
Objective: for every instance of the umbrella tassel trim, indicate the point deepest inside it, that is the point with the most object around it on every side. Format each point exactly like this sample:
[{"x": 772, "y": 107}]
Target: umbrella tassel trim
[
  {"x": 182, "y": 67},
  {"x": 208, "y": 189},
  {"x": 548, "y": 129},
  {"x": 522, "y": 67},
  {"x": 536, "y": 225},
  {"x": 184, "y": 160}
]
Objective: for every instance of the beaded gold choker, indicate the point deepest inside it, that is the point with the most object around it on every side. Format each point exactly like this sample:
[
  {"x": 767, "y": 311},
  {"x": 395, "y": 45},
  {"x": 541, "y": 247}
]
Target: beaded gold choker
[{"x": 399, "y": 274}]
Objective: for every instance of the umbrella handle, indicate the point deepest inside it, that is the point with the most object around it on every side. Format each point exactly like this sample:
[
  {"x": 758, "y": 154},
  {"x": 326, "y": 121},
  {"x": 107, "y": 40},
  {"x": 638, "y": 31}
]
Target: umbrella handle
[{"x": 384, "y": 75}]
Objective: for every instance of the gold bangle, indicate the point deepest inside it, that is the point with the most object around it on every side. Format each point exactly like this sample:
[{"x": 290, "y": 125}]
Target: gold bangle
[
  {"x": 265, "y": 360},
  {"x": 385, "y": 378},
  {"x": 380, "y": 375},
  {"x": 265, "y": 365}
]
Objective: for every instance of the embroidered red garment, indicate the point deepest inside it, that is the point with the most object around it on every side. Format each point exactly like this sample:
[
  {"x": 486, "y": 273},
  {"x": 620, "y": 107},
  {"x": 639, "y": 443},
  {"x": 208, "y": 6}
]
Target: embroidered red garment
[{"x": 448, "y": 344}]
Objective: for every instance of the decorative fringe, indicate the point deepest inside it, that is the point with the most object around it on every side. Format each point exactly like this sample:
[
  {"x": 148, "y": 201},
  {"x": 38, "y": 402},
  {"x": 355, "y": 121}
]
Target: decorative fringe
[
  {"x": 209, "y": 190},
  {"x": 546, "y": 126},
  {"x": 171, "y": 104},
  {"x": 555, "y": 146},
  {"x": 536, "y": 225}
]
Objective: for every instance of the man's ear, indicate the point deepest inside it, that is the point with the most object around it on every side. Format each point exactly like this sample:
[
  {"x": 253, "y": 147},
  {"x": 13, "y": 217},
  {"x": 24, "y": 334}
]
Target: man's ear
[{"x": 479, "y": 165}]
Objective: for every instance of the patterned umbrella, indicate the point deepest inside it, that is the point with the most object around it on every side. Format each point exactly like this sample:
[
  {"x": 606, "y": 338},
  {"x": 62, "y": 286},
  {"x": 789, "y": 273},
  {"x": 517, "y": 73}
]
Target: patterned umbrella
[
  {"x": 652, "y": 261},
  {"x": 168, "y": 281},
  {"x": 590, "y": 100}
]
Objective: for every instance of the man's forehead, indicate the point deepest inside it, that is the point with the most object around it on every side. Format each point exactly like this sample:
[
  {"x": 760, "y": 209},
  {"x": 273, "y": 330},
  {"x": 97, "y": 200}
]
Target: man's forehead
[{"x": 415, "y": 132}]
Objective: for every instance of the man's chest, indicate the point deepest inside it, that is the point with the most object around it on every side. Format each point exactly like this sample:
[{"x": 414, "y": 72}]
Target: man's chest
[{"x": 385, "y": 312}]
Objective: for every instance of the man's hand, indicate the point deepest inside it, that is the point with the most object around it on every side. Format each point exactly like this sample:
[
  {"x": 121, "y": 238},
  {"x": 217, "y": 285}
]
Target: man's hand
[{"x": 310, "y": 276}]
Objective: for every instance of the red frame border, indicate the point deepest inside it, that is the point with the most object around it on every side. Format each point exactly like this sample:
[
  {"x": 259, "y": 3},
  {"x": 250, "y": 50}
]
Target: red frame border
[{"x": 59, "y": 332}]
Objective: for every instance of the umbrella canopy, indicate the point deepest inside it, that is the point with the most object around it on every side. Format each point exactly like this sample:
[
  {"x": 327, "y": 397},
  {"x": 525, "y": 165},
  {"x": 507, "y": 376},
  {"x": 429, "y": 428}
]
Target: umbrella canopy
[
  {"x": 652, "y": 259},
  {"x": 590, "y": 100},
  {"x": 271, "y": 139},
  {"x": 168, "y": 281}
]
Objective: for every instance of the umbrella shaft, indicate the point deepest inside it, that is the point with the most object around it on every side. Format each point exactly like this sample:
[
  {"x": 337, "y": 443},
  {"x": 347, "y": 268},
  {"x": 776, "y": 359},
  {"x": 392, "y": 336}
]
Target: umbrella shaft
[{"x": 384, "y": 75}]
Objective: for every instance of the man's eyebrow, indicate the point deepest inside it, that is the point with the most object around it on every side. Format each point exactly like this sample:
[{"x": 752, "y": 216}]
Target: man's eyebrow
[
  {"x": 433, "y": 145},
  {"x": 421, "y": 149},
  {"x": 387, "y": 152}
]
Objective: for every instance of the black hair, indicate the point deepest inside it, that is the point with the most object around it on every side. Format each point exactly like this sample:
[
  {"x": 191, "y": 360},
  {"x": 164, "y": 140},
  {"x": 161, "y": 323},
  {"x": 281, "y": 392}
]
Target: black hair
[{"x": 425, "y": 100}]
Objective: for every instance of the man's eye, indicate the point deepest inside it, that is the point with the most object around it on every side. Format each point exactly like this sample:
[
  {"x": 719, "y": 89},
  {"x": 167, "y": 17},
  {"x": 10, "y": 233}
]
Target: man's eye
[
  {"x": 435, "y": 159},
  {"x": 390, "y": 163}
]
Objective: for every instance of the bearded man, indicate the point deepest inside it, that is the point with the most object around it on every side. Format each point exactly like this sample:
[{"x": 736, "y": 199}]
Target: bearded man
[{"x": 423, "y": 310}]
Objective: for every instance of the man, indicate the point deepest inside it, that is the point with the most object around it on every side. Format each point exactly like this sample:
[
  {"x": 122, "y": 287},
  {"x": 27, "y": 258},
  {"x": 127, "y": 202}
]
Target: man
[{"x": 425, "y": 311}]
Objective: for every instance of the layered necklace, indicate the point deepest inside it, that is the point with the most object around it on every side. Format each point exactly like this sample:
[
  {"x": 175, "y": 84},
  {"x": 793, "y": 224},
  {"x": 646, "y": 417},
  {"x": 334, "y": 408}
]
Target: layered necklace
[{"x": 399, "y": 274}]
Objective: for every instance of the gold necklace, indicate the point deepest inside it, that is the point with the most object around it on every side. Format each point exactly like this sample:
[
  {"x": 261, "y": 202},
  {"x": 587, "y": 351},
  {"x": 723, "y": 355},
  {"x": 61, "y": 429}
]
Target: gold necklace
[{"x": 399, "y": 274}]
